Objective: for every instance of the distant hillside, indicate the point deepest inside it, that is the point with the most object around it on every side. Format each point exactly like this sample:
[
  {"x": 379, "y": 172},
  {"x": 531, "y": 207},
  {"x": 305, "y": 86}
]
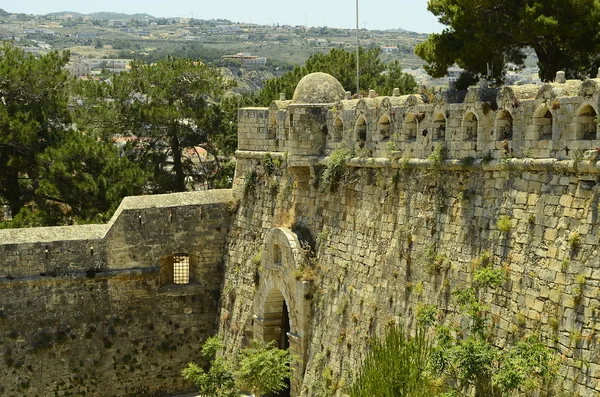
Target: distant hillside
[
  {"x": 63, "y": 13},
  {"x": 4, "y": 13},
  {"x": 101, "y": 15},
  {"x": 118, "y": 15}
]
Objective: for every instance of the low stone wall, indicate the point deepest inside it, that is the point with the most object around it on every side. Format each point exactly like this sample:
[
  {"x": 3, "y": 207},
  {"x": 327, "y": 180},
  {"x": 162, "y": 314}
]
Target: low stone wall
[{"x": 85, "y": 311}]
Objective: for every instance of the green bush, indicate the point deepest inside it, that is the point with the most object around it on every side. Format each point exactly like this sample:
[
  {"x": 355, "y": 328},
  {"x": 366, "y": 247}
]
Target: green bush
[
  {"x": 395, "y": 367},
  {"x": 260, "y": 369}
]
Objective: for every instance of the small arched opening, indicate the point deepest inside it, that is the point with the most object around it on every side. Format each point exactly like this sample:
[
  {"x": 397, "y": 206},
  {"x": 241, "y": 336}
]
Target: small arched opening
[
  {"x": 470, "y": 127},
  {"x": 543, "y": 123},
  {"x": 338, "y": 130},
  {"x": 587, "y": 123},
  {"x": 361, "y": 132},
  {"x": 504, "y": 126},
  {"x": 276, "y": 325},
  {"x": 384, "y": 129},
  {"x": 409, "y": 127},
  {"x": 272, "y": 130},
  {"x": 439, "y": 127}
]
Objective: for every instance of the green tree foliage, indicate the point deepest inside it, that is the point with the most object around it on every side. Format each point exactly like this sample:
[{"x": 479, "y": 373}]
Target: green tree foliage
[
  {"x": 341, "y": 64},
  {"x": 216, "y": 379},
  {"x": 89, "y": 176},
  {"x": 263, "y": 369},
  {"x": 563, "y": 34},
  {"x": 167, "y": 110},
  {"x": 33, "y": 117},
  {"x": 260, "y": 369},
  {"x": 49, "y": 173},
  {"x": 396, "y": 367},
  {"x": 189, "y": 50}
]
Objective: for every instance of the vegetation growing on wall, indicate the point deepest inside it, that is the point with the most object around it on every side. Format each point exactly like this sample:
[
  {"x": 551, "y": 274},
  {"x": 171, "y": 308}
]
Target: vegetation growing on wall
[
  {"x": 456, "y": 358},
  {"x": 335, "y": 172},
  {"x": 467, "y": 357}
]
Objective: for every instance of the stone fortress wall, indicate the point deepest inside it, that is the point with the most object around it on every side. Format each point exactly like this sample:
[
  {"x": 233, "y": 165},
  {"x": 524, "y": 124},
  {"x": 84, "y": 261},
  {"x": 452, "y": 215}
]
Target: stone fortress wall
[
  {"x": 523, "y": 153},
  {"x": 93, "y": 310}
]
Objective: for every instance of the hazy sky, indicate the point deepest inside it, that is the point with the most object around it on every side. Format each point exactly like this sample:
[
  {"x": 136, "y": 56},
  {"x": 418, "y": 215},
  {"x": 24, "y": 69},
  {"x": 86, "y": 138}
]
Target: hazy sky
[{"x": 385, "y": 14}]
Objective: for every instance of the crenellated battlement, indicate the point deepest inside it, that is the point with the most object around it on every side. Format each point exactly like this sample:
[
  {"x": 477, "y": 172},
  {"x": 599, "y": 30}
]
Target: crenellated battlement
[{"x": 556, "y": 120}]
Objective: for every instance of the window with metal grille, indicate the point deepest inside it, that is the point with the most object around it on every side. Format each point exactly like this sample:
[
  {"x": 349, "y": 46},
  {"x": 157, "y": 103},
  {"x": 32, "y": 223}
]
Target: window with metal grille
[{"x": 181, "y": 269}]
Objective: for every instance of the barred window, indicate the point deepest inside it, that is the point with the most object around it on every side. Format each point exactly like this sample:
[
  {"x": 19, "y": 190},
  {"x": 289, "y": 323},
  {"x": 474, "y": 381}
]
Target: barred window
[{"x": 181, "y": 269}]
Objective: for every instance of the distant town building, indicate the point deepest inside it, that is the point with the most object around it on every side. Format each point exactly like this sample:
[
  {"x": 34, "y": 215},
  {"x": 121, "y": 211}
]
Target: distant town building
[
  {"x": 117, "y": 23},
  {"x": 387, "y": 49},
  {"x": 80, "y": 69},
  {"x": 33, "y": 33},
  {"x": 454, "y": 73},
  {"x": 229, "y": 29},
  {"x": 247, "y": 60},
  {"x": 35, "y": 51},
  {"x": 112, "y": 65}
]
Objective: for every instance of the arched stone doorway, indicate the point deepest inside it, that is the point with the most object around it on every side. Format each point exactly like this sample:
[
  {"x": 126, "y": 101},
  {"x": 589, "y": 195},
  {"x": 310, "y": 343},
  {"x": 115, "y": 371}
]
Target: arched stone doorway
[{"x": 281, "y": 307}]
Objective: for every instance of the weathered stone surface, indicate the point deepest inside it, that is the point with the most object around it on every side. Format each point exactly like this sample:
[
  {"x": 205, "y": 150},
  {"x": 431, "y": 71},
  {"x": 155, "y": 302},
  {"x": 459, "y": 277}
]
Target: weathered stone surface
[
  {"x": 85, "y": 310},
  {"x": 372, "y": 234}
]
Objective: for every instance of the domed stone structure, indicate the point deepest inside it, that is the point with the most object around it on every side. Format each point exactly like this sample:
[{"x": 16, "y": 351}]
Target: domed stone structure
[{"x": 318, "y": 88}]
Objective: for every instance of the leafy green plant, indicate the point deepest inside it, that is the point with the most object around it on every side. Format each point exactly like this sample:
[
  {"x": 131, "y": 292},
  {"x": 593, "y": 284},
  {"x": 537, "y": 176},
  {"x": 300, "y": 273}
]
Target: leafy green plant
[
  {"x": 269, "y": 164},
  {"x": 467, "y": 161},
  {"x": 474, "y": 361},
  {"x": 404, "y": 162},
  {"x": 574, "y": 241},
  {"x": 217, "y": 378},
  {"x": 250, "y": 178},
  {"x": 487, "y": 158},
  {"x": 336, "y": 169},
  {"x": 392, "y": 146},
  {"x": 434, "y": 263},
  {"x": 436, "y": 160},
  {"x": 260, "y": 369},
  {"x": 263, "y": 369},
  {"x": 426, "y": 315},
  {"x": 504, "y": 224}
]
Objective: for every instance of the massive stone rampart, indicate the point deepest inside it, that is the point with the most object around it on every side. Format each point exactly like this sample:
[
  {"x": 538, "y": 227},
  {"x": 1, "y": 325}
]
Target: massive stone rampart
[
  {"x": 525, "y": 154},
  {"x": 94, "y": 310}
]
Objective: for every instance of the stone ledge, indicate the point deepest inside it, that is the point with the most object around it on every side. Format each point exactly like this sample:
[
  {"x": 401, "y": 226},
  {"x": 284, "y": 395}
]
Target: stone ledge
[
  {"x": 82, "y": 275},
  {"x": 181, "y": 289}
]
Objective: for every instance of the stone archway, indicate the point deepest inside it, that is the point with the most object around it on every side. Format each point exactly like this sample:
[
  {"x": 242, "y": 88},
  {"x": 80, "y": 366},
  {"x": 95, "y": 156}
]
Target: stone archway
[{"x": 279, "y": 294}]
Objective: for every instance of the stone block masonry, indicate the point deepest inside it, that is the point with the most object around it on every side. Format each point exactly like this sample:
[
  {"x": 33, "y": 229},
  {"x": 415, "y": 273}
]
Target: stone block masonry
[
  {"x": 86, "y": 311},
  {"x": 524, "y": 154},
  {"x": 323, "y": 268}
]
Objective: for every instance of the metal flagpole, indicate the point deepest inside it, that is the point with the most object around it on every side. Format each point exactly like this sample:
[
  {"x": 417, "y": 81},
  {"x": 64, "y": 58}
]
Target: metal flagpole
[{"x": 357, "y": 45}]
